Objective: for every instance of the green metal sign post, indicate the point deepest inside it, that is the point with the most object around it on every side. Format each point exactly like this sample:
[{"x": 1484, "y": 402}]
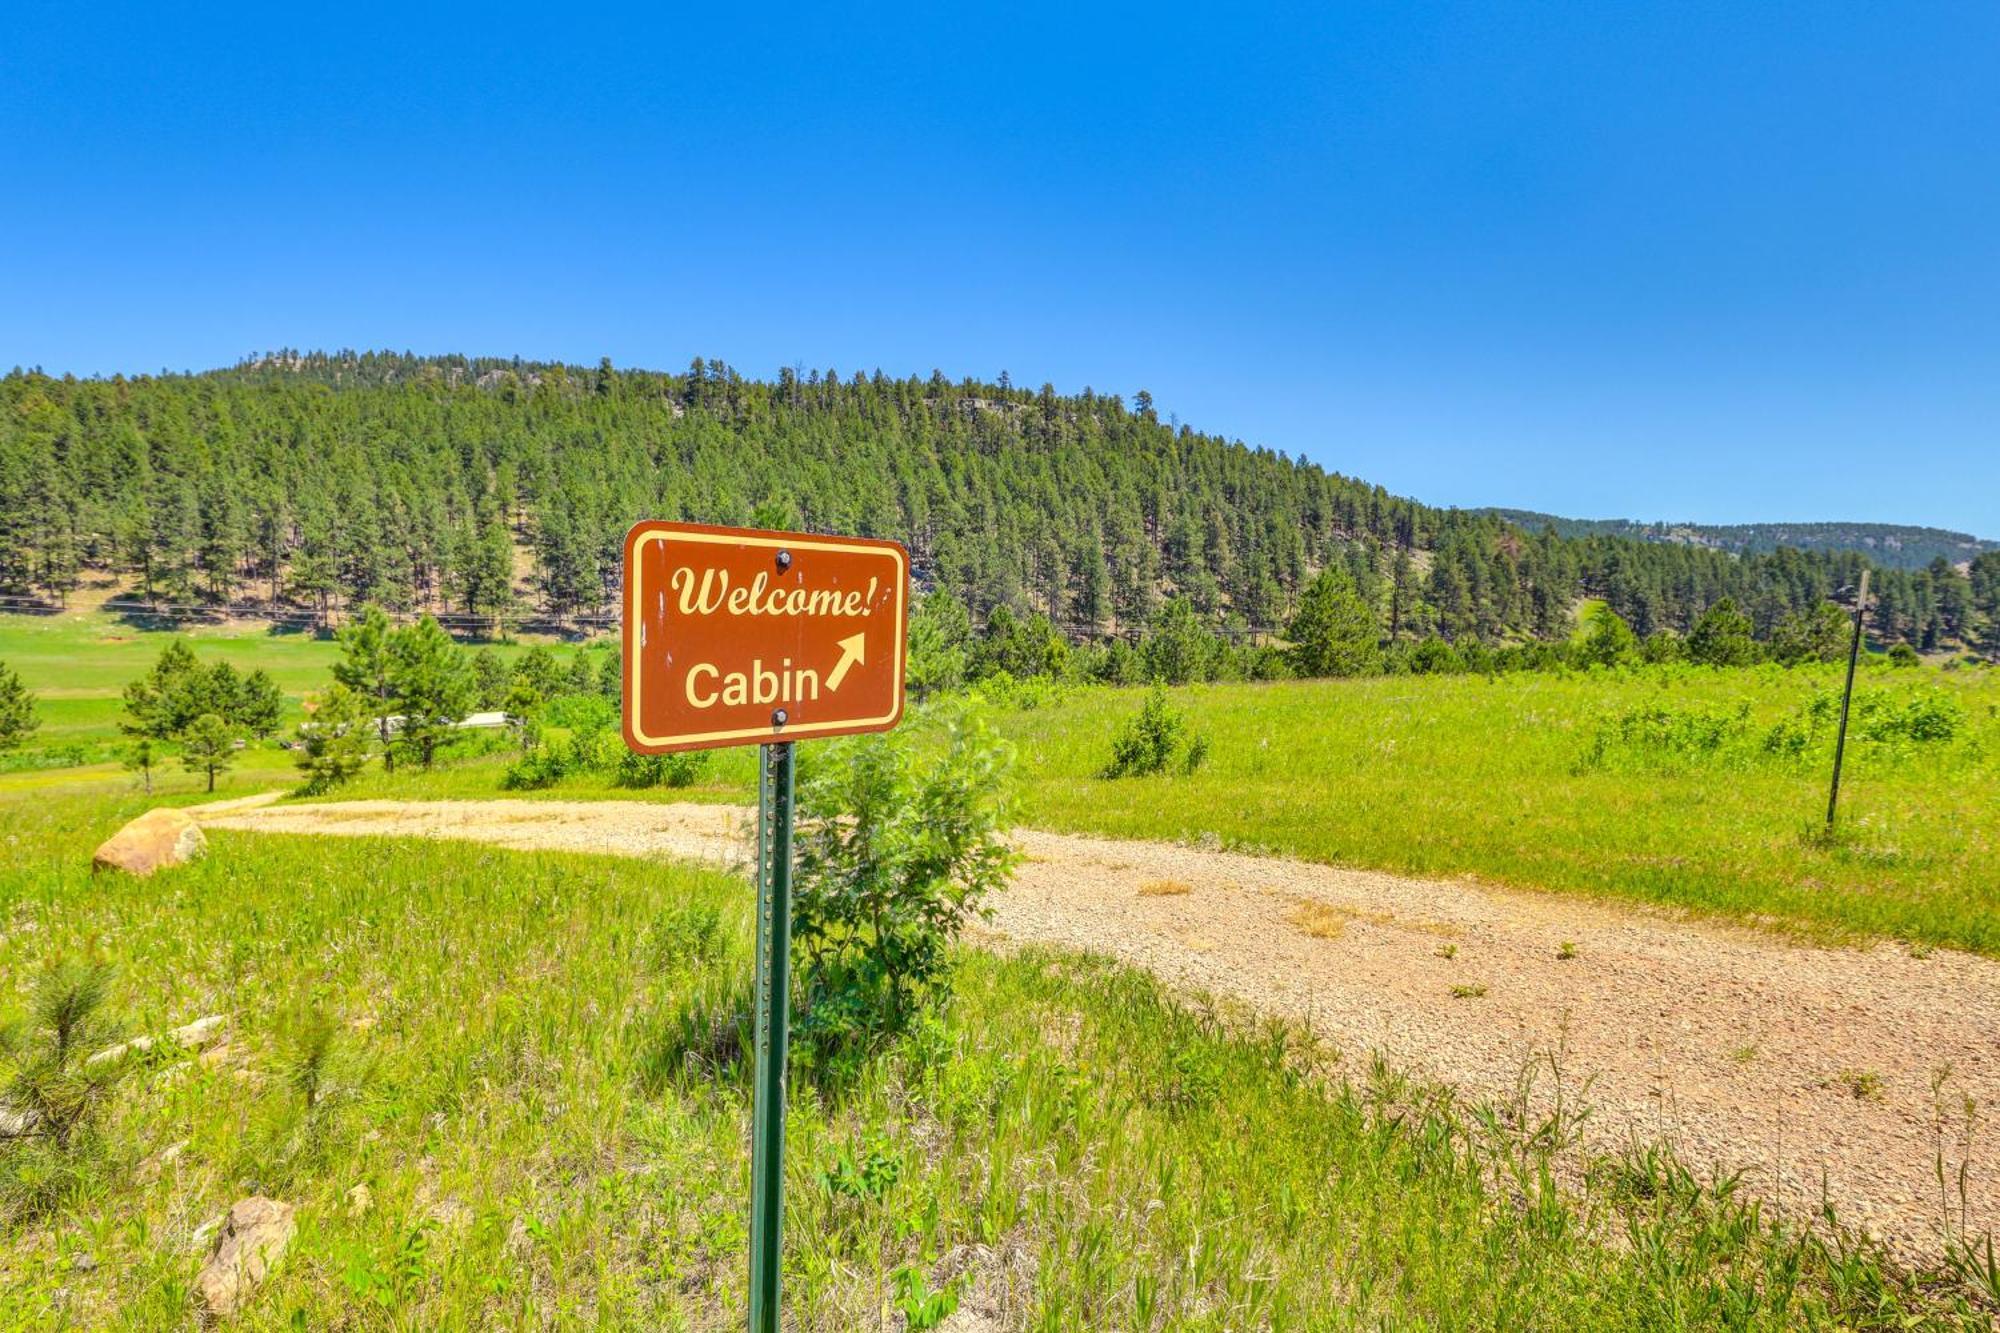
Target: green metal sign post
[
  {"x": 774, "y": 952},
  {"x": 736, "y": 636}
]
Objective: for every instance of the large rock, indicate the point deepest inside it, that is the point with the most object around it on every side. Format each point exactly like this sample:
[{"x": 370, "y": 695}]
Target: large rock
[
  {"x": 247, "y": 1248},
  {"x": 199, "y": 1035},
  {"x": 162, "y": 837}
]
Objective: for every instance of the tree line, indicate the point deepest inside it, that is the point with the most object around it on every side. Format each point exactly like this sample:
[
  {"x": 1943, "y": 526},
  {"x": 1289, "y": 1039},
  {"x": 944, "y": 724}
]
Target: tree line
[{"x": 497, "y": 489}]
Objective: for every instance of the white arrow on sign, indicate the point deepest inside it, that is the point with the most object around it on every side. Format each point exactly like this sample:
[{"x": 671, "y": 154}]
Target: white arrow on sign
[{"x": 852, "y": 650}]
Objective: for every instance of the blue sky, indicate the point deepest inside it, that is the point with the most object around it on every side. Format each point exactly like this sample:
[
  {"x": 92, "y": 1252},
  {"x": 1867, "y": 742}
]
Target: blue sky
[{"x": 1715, "y": 261}]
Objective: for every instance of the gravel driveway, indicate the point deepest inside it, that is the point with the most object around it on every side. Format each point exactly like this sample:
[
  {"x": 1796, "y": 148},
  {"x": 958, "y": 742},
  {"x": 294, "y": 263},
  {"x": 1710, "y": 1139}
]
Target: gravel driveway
[{"x": 1742, "y": 1049}]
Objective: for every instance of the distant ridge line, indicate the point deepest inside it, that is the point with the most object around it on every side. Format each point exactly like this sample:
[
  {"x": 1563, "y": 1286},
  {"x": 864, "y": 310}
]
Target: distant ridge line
[{"x": 1898, "y": 545}]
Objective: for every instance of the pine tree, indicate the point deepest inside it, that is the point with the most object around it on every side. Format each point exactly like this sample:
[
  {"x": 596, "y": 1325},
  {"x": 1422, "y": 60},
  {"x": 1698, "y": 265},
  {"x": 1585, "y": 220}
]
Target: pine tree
[
  {"x": 208, "y": 746},
  {"x": 1333, "y": 633},
  {"x": 364, "y": 669},
  {"x": 158, "y": 704},
  {"x": 1609, "y": 641},
  {"x": 1179, "y": 649},
  {"x": 431, "y": 685},
  {"x": 538, "y": 670},
  {"x": 483, "y": 572},
  {"x": 489, "y": 679},
  {"x": 140, "y": 758},
  {"x": 260, "y": 704},
  {"x": 940, "y": 640},
  {"x": 1722, "y": 637},
  {"x": 337, "y": 479},
  {"x": 1821, "y": 634},
  {"x": 223, "y": 534},
  {"x": 333, "y": 742},
  {"x": 18, "y": 717}
]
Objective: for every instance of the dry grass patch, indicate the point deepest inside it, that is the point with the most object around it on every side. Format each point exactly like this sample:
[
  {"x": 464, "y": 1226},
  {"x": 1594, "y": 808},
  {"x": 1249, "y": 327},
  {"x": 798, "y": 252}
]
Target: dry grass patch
[
  {"x": 1319, "y": 920},
  {"x": 1165, "y": 888}
]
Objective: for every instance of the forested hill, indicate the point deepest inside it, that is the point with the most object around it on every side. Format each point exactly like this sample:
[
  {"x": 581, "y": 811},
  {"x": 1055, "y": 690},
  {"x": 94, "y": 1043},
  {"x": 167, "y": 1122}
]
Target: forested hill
[
  {"x": 1893, "y": 545},
  {"x": 503, "y": 488}
]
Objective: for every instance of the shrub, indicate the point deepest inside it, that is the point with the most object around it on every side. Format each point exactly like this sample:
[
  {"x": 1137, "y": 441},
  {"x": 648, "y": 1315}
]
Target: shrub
[
  {"x": 1003, "y": 689},
  {"x": 1894, "y": 719},
  {"x": 72, "y": 754},
  {"x": 1916, "y": 717},
  {"x": 1430, "y": 657},
  {"x": 901, "y": 838},
  {"x": 685, "y": 936},
  {"x": 1266, "y": 661},
  {"x": 580, "y": 712},
  {"x": 1662, "y": 646},
  {"x": 543, "y": 766},
  {"x": 661, "y": 770},
  {"x": 1119, "y": 664},
  {"x": 590, "y": 745},
  {"x": 1148, "y": 742},
  {"x": 1658, "y": 734}
]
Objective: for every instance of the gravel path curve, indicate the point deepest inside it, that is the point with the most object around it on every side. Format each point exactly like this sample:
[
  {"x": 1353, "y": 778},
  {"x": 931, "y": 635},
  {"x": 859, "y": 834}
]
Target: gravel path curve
[{"x": 1744, "y": 1050}]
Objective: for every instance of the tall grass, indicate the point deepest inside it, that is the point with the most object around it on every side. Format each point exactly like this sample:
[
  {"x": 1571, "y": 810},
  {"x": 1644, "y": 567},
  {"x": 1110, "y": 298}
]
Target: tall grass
[{"x": 533, "y": 1066}]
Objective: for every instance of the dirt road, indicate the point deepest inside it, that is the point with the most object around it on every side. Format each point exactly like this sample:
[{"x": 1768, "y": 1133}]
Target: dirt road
[{"x": 1742, "y": 1049}]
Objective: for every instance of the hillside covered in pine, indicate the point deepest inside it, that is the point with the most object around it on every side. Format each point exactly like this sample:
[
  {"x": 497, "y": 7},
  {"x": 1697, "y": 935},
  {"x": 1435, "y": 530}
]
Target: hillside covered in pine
[
  {"x": 1893, "y": 545},
  {"x": 502, "y": 489}
]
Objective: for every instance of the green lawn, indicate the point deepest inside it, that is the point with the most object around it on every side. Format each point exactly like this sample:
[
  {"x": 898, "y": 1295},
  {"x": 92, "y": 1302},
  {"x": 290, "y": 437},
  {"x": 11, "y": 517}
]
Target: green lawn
[{"x": 528, "y": 1080}]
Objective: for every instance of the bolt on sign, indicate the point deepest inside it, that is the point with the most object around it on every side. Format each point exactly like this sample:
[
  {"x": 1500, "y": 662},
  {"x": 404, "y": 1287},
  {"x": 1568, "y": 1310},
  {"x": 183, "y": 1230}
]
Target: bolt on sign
[{"x": 740, "y": 637}]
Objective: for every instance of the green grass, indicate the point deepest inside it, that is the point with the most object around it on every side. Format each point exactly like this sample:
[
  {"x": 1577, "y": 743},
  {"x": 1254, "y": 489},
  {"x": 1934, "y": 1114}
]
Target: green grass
[
  {"x": 1457, "y": 775},
  {"x": 529, "y": 1078},
  {"x": 79, "y": 662},
  {"x": 1425, "y": 775},
  {"x": 1470, "y": 776}
]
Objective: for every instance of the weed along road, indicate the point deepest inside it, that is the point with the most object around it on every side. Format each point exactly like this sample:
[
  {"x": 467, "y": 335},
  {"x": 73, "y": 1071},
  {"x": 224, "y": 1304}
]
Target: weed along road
[
  {"x": 736, "y": 636},
  {"x": 1743, "y": 1049}
]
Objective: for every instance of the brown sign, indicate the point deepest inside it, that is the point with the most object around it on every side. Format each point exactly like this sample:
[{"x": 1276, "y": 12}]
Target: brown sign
[{"x": 739, "y": 637}]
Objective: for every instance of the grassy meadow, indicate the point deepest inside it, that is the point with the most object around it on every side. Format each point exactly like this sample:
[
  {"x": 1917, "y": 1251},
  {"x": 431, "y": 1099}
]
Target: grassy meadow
[
  {"x": 1655, "y": 785},
  {"x": 1496, "y": 779},
  {"x": 79, "y": 662},
  {"x": 508, "y": 1090}
]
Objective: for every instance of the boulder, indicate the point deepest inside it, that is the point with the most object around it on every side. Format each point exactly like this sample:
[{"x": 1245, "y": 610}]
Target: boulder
[
  {"x": 247, "y": 1248},
  {"x": 162, "y": 837},
  {"x": 196, "y": 1036}
]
